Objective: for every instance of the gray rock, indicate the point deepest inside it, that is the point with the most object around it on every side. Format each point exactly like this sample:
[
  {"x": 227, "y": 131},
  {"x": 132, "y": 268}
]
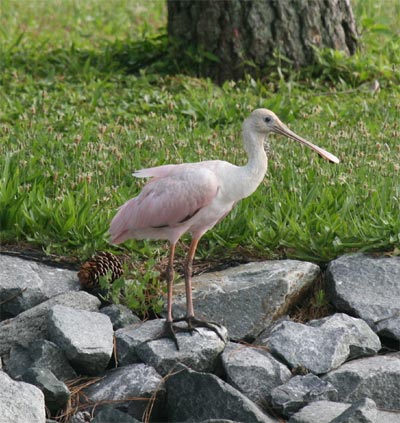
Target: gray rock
[
  {"x": 299, "y": 391},
  {"x": 85, "y": 337},
  {"x": 365, "y": 286},
  {"x": 319, "y": 412},
  {"x": 384, "y": 416},
  {"x": 20, "y": 402},
  {"x": 267, "y": 331},
  {"x": 246, "y": 298},
  {"x": 361, "y": 339},
  {"x": 41, "y": 353},
  {"x": 254, "y": 372},
  {"x": 56, "y": 393},
  {"x": 326, "y": 411},
  {"x": 199, "y": 350},
  {"x": 362, "y": 411},
  {"x": 109, "y": 414},
  {"x": 120, "y": 316},
  {"x": 376, "y": 377},
  {"x": 301, "y": 345},
  {"x": 129, "y": 338},
  {"x": 194, "y": 396},
  {"x": 322, "y": 345},
  {"x": 34, "y": 282},
  {"x": 47, "y": 355},
  {"x": 389, "y": 328},
  {"x": 130, "y": 383},
  {"x": 18, "y": 361},
  {"x": 32, "y": 324}
]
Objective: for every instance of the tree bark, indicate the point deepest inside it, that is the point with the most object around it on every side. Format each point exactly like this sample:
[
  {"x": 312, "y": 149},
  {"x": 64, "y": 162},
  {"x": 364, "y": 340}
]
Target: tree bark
[{"x": 244, "y": 34}]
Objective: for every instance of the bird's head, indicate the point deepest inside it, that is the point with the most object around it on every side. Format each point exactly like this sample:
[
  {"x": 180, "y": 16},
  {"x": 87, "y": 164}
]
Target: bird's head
[{"x": 263, "y": 121}]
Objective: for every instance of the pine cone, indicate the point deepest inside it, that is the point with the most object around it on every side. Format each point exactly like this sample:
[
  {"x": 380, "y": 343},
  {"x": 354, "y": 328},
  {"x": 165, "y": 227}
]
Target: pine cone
[{"x": 99, "y": 265}]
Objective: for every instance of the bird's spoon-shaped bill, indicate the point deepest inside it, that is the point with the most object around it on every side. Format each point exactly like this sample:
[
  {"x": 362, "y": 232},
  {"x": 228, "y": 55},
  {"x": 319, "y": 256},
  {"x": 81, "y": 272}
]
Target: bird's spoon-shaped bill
[{"x": 284, "y": 130}]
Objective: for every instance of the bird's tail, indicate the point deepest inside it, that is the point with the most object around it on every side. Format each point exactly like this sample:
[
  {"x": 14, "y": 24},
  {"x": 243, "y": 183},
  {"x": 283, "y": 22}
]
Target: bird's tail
[{"x": 120, "y": 227}]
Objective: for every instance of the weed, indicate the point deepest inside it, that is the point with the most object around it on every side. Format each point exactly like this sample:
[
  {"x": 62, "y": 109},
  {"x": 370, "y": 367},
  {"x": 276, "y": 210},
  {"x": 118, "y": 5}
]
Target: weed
[{"x": 139, "y": 289}]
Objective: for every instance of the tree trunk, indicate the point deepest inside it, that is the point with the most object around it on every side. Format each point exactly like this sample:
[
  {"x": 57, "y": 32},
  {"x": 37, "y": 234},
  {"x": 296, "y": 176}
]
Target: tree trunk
[{"x": 244, "y": 34}]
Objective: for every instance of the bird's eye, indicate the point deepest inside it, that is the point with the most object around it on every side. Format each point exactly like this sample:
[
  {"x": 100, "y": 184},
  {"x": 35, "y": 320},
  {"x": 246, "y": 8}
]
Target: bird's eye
[{"x": 267, "y": 119}]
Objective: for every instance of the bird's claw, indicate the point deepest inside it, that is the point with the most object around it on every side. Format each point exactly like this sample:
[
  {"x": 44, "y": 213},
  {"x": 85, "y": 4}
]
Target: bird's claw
[
  {"x": 194, "y": 323},
  {"x": 170, "y": 330}
]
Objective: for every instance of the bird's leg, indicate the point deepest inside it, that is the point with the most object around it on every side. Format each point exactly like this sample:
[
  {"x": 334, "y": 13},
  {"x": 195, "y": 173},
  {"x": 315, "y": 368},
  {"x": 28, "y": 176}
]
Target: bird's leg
[
  {"x": 169, "y": 331},
  {"x": 170, "y": 282},
  {"x": 188, "y": 278},
  {"x": 190, "y": 319}
]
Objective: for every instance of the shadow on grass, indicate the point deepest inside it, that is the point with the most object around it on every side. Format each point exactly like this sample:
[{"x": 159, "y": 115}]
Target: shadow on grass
[
  {"x": 151, "y": 55},
  {"x": 158, "y": 55}
]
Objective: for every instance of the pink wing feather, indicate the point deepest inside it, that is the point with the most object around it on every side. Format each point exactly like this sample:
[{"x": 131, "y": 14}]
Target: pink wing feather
[
  {"x": 157, "y": 172},
  {"x": 176, "y": 193}
]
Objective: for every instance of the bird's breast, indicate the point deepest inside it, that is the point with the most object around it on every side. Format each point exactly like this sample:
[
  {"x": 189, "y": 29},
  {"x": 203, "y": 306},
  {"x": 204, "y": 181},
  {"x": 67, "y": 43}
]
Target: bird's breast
[
  {"x": 239, "y": 184},
  {"x": 210, "y": 215}
]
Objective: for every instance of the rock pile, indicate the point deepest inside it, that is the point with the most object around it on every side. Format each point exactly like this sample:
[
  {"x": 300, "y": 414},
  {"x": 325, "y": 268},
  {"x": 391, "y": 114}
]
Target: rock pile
[{"x": 342, "y": 368}]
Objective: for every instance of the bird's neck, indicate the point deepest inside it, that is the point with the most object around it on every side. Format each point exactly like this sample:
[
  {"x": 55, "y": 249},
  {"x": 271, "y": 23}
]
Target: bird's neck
[
  {"x": 257, "y": 163},
  {"x": 248, "y": 177}
]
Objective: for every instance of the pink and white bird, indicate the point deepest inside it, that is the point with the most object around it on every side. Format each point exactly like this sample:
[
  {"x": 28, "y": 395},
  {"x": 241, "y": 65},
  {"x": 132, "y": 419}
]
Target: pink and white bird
[{"x": 193, "y": 197}]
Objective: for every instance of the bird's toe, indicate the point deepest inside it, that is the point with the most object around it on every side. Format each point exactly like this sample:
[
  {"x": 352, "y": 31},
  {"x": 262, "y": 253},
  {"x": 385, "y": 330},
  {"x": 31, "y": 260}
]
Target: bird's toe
[
  {"x": 194, "y": 323},
  {"x": 169, "y": 332}
]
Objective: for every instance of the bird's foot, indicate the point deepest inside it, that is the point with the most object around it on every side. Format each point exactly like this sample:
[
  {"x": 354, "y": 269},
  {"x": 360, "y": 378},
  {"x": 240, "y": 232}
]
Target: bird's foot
[
  {"x": 194, "y": 323},
  {"x": 169, "y": 331}
]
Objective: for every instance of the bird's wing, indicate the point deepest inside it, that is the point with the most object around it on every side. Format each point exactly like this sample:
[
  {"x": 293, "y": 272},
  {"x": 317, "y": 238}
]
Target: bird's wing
[
  {"x": 177, "y": 169},
  {"x": 166, "y": 201},
  {"x": 156, "y": 172}
]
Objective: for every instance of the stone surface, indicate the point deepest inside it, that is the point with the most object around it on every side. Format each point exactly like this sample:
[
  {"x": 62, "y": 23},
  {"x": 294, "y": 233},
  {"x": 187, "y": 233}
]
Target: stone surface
[
  {"x": 108, "y": 414},
  {"x": 362, "y": 411},
  {"x": 251, "y": 372},
  {"x": 41, "y": 353},
  {"x": 199, "y": 351},
  {"x": 365, "y": 286},
  {"x": 361, "y": 339},
  {"x": 85, "y": 337},
  {"x": 322, "y": 345},
  {"x": 129, "y": 338},
  {"x": 20, "y": 402},
  {"x": 254, "y": 372},
  {"x": 326, "y": 411},
  {"x": 319, "y": 412},
  {"x": 389, "y": 328},
  {"x": 376, "y": 377},
  {"x": 266, "y": 332},
  {"x": 194, "y": 396},
  {"x": 299, "y": 391},
  {"x": 301, "y": 345},
  {"x": 246, "y": 298},
  {"x": 32, "y": 324},
  {"x": 120, "y": 316},
  {"x": 34, "y": 282},
  {"x": 56, "y": 393},
  {"x": 130, "y": 383}
]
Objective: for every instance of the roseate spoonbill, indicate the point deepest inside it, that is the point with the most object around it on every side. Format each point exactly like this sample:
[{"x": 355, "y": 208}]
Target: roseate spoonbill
[{"x": 193, "y": 197}]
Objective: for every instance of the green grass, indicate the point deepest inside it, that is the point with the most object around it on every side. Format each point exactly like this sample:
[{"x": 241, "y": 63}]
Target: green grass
[{"x": 89, "y": 92}]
